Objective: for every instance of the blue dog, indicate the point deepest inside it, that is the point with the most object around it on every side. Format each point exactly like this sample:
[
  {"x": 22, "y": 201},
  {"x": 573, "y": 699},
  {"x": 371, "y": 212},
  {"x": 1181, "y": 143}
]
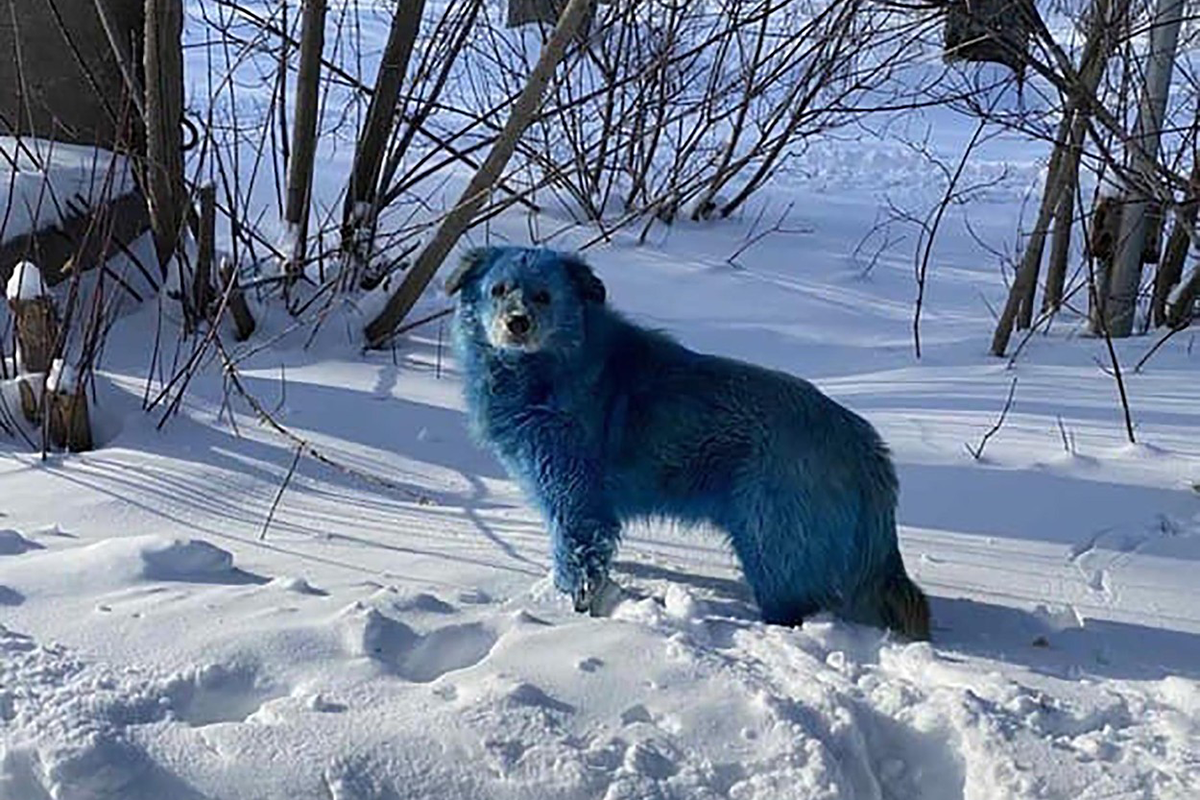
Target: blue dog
[{"x": 602, "y": 422}]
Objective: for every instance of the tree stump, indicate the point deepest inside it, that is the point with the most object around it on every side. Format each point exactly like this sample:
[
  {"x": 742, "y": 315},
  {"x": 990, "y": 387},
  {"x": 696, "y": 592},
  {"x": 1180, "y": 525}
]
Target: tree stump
[
  {"x": 239, "y": 309},
  {"x": 68, "y": 424},
  {"x": 37, "y": 332},
  {"x": 37, "y": 337}
]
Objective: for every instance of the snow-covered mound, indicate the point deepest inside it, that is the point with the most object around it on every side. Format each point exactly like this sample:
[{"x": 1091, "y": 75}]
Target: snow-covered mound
[
  {"x": 118, "y": 562},
  {"x": 651, "y": 703}
]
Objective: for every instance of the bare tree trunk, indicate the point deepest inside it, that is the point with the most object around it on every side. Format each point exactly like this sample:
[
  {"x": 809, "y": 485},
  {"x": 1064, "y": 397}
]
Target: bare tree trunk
[
  {"x": 1170, "y": 268},
  {"x": 459, "y": 218},
  {"x": 1064, "y": 219},
  {"x": 1021, "y": 294},
  {"x": 1057, "y": 182},
  {"x": 285, "y": 44},
  {"x": 358, "y": 219},
  {"x": 1095, "y": 56},
  {"x": 458, "y": 36},
  {"x": 165, "y": 192},
  {"x": 304, "y": 134},
  {"x": 1183, "y": 301},
  {"x": 1121, "y": 304},
  {"x": 202, "y": 292}
]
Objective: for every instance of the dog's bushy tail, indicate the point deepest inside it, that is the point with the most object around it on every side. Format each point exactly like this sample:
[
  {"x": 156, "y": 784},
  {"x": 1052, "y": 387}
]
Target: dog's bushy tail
[{"x": 904, "y": 607}]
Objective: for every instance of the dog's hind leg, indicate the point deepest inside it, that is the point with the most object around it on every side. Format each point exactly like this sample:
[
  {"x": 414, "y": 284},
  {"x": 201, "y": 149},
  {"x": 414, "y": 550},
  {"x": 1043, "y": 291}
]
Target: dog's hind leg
[
  {"x": 905, "y": 607},
  {"x": 891, "y": 600},
  {"x": 767, "y": 537}
]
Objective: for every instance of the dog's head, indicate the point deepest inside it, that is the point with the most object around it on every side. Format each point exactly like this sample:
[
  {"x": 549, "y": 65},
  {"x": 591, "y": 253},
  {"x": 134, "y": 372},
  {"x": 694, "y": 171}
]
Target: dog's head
[{"x": 525, "y": 300}]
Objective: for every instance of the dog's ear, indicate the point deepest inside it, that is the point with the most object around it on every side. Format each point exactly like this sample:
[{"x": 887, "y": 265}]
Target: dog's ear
[
  {"x": 590, "y": 287},
  {"x": 472, "y": 265}
]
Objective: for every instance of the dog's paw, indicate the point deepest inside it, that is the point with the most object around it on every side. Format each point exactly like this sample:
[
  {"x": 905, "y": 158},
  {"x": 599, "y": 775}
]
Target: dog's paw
[
  {"x": 597, "y": 596},
  {"x": 588, "y": 590},
  {"x": 607, "y": 599}
]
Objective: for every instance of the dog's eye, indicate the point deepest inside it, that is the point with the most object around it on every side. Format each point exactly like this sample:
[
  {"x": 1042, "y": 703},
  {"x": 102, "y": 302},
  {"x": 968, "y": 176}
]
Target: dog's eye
[
  {"x": 499, "y": 290},
  {"x": 542, "y": 298}
]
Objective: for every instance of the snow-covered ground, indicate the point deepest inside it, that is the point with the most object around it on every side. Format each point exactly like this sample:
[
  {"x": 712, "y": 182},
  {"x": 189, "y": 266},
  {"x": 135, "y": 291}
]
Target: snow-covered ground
[
  {"x": 406, "y": 643},
  {"x": 158, "y": 639}
]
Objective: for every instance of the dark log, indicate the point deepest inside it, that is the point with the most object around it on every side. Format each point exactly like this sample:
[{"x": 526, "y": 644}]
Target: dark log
[
  {"x": 77, "y": 238},
  {"x": 243, "y": 320}
]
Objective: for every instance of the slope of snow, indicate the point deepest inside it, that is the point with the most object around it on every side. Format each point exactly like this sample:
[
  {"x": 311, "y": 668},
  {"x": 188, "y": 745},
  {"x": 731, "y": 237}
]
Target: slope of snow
[{"x": 51, "y": 176}]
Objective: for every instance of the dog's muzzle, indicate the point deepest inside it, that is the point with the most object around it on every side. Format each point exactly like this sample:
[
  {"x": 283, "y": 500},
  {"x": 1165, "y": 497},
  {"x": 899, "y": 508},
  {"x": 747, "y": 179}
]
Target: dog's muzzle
[
  {"x": 518, "y": 326},
  {"x": 514, "y": 328}
]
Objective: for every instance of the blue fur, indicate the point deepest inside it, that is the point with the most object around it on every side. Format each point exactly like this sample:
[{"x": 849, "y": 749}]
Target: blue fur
[{"x": 606, "y": 422}]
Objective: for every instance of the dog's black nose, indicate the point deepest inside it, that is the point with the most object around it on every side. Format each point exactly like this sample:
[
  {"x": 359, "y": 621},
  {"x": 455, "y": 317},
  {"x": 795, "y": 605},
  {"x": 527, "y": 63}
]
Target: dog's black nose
[{"x": 518, "y": 325}]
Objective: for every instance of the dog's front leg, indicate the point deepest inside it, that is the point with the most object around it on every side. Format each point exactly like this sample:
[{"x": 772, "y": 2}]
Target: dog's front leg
[
  {"x": 584, "y": 544},
  {"x": 584, "y": 532}
]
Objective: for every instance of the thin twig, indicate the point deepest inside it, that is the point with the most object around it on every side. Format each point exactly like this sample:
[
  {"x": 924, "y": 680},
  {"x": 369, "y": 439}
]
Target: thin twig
[
  {"x": 303, "y": 444},
  {"x": 947, "y": 198},
  {"x": 1161, "y": 341},
  {"x": 977, "y": 452},
  {"x": 279, "y": 495}
]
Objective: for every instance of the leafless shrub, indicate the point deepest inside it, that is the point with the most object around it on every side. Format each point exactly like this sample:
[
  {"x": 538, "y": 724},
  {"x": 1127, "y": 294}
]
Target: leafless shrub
[{"x": 661, "y": 112}]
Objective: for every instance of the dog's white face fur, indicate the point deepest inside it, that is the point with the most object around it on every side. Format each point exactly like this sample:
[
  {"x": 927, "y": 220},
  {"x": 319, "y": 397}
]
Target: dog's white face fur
[
  {"x": 518, "y": 318},
  {"x": 525, "y": 301}
]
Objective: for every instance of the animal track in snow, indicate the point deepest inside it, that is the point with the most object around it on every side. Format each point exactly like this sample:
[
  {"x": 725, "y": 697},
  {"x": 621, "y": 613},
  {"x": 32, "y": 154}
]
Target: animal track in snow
[
  {"x": 414, "y": 656},
  {"x": 12, "y": 543},
  {"x": 448, "y": 649},
  {"x": 220, "y": 693}
]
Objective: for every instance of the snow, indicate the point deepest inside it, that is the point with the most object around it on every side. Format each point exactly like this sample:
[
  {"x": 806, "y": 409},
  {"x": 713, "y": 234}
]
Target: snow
[
  {"x": 25, "y": 282},
  {"x": 374, "y": 645},
  {"x": 62, "y": 378},
  {"x": 50, "y": 177},
  {"x": 12, "y": 543},
  {"x": 158, "y": 639}
]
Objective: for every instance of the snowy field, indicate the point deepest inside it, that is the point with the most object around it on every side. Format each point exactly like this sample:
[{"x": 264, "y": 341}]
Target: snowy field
[
  {"x": 383, "y": 643},
  {"x": 159, "y": 640}
]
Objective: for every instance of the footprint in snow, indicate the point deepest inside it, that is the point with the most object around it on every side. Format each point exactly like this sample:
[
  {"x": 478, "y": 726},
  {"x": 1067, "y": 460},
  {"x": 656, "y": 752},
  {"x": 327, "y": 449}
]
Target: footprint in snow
[
  {"x": 12, "y": 543},
  {"x": 420, "y": 658}
]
